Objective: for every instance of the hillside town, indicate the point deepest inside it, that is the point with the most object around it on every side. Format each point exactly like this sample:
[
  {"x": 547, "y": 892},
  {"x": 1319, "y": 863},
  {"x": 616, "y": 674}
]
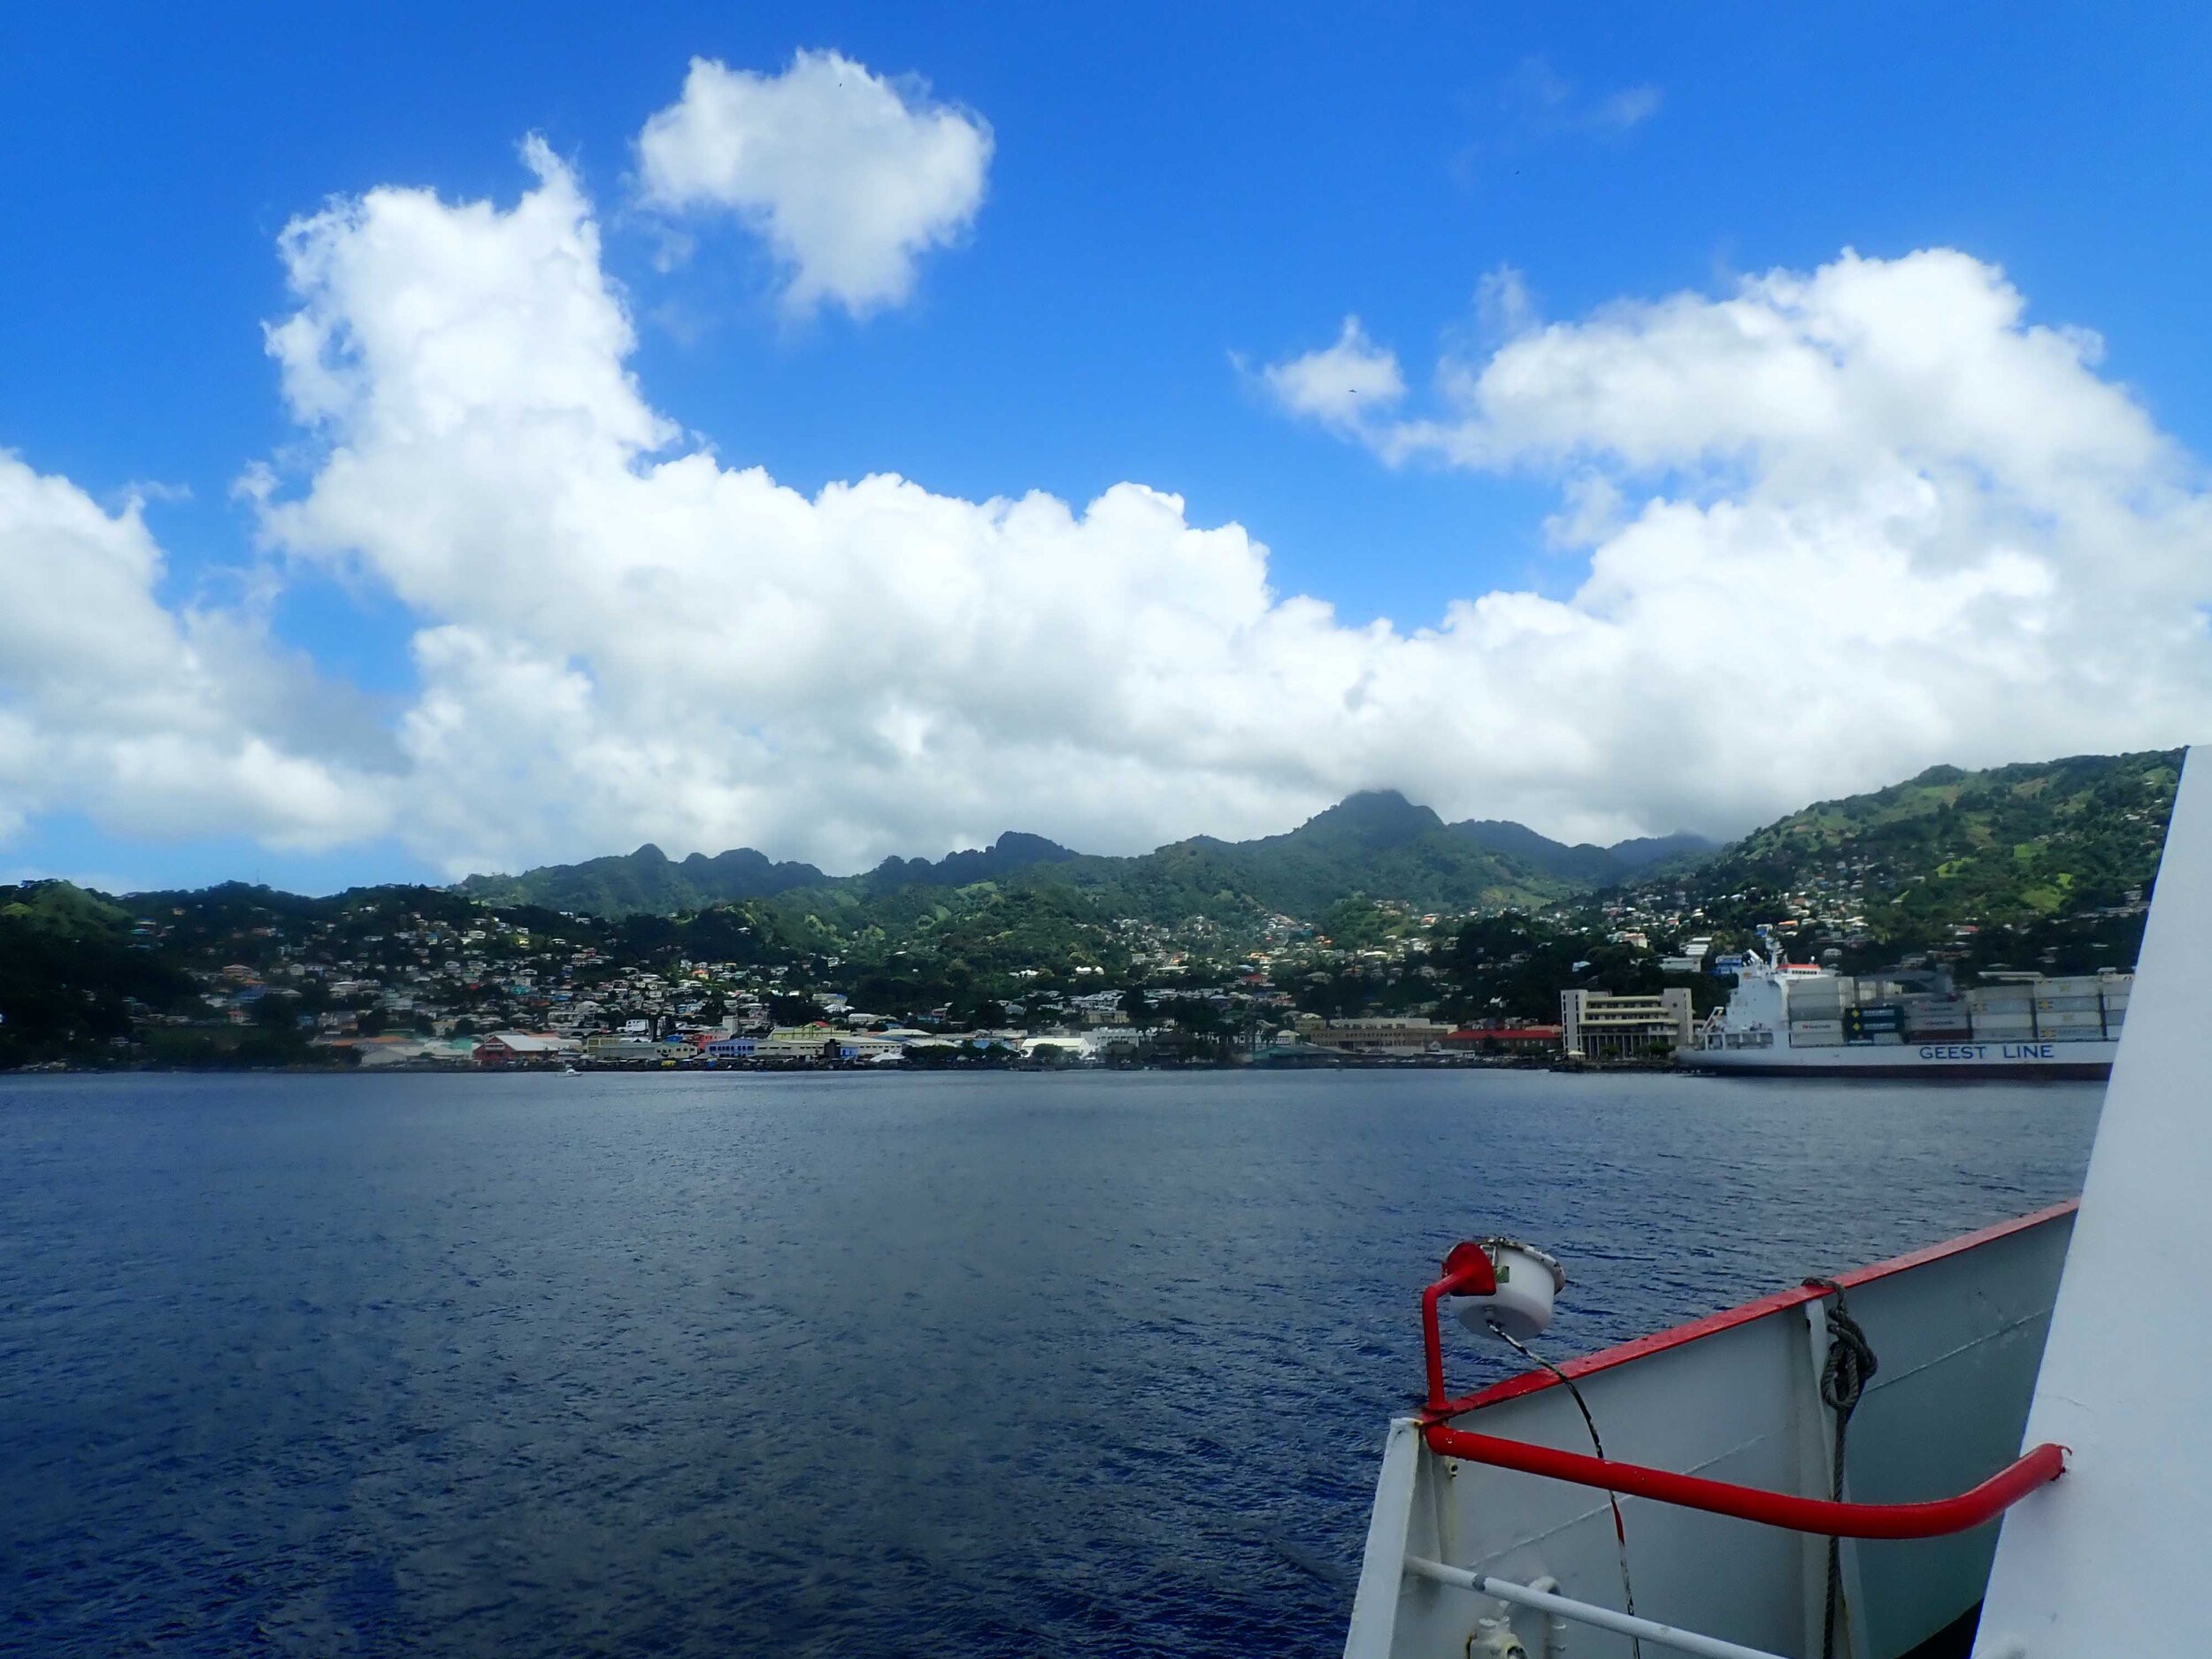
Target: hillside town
[
  {"x": 1174, "y": 958},
  {"x": 460, "y": 985},
  {"x": 404, "y": 988}
]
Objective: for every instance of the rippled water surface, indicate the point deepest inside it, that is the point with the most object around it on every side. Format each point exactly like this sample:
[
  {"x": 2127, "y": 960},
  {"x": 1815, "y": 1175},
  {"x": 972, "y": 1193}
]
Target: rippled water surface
[{"x": 714, "y": 1365}]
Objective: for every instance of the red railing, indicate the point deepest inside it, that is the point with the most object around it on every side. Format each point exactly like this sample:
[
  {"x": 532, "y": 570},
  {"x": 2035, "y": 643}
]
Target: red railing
[
  {"x": 1467, "y": 1270},
  {"x": 1985, "y": 1502}
]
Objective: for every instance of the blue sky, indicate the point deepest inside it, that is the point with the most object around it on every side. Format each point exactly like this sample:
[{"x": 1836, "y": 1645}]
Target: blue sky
[{"x": 1176, "y": 198}]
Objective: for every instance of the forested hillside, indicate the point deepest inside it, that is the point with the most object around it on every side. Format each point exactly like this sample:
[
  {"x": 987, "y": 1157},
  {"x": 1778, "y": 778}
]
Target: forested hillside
[
  {"x": 2011, "y": 846},
  {"x": 1376, "y": 905},
  {"x": 1378, "y": 844}
]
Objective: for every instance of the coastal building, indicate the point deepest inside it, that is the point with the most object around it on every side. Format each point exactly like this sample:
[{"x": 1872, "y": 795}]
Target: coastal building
[
  {"x": 423, "y": 1051},
  {"x": 1054, "y": 1048},
  {"x": 1599, "y": 1026},
  {"x": 631, "y": 1050},
  {"x": 1373, "y": 1036},
  {"x": 1504, "y": 1039},
  {"x": 1113, "y": 1042},
  {"x": 520, "y": 1047},
  {"x": 801, "y": 1043}
]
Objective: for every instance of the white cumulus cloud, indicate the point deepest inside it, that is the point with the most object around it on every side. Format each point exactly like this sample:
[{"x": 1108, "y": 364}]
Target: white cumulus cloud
[
  {"x": 1814, "y": 534},
  {"x": 1837, "y": 525},
  {"x": 850, "y": 177},
  {"x": 1344, "y": 384},
  {"x": 156, "y": 721}
]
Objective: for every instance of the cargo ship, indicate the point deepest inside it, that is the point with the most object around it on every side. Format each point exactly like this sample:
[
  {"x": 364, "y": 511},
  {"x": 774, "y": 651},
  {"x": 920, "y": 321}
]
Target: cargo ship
[{"x": 1788, "y": 1019}]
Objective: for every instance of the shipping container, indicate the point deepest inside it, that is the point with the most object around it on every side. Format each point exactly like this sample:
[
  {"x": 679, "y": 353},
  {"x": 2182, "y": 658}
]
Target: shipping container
[
  {"x": 2070, "y": 1019},
  {"x": 2065, "y": 1004},
  {"x": 2075, "y": 1034},
  {"x": 1818, "y": 1040},
  {"x": 1816, "y": 1027}
]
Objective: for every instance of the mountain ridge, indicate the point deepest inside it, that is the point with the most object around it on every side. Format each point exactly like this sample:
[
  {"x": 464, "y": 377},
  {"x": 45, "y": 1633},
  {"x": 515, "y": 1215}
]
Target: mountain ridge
[
  {"x": 2041, "y": 865},
  {"x": 1408, "y": 846}
]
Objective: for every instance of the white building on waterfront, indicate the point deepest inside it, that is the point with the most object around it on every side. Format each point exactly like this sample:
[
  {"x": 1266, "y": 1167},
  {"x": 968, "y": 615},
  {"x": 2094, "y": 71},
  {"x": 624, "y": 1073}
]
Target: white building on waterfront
[{"x": 1598, "y": 1025}]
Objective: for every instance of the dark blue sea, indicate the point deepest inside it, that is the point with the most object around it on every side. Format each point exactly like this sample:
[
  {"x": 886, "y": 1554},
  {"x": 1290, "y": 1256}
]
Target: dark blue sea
[{"x": 852, "y": 1364}]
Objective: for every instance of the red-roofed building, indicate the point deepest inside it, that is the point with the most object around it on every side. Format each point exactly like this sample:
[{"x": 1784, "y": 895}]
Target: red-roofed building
[{"x": 1503, "y": 1039}]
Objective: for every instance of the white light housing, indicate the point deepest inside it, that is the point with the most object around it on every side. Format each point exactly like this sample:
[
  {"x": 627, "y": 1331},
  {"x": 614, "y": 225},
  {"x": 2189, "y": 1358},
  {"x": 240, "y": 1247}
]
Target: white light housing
[{"x": 1527, "y": 1281}]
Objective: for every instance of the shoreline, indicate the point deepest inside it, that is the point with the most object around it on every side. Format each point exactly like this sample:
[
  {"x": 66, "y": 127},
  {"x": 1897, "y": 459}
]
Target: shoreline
[{"x": 1347, "y": 1062}]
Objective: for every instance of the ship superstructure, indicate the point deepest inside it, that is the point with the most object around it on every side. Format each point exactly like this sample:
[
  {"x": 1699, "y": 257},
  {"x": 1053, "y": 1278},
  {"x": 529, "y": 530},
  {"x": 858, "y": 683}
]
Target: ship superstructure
[{"x": 1786, "y": 1017}]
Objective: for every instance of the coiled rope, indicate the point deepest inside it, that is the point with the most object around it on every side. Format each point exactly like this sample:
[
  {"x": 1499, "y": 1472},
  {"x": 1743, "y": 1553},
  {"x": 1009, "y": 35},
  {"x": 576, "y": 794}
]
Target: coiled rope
[{"x": 1844, "y": 1375}]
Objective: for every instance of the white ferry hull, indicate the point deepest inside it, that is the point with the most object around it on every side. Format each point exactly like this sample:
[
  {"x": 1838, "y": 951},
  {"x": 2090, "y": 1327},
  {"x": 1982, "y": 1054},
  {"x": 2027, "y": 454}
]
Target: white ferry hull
[
  {"x": 1735, "y": 1397},
  {"x": 2088, "y": 1061}
]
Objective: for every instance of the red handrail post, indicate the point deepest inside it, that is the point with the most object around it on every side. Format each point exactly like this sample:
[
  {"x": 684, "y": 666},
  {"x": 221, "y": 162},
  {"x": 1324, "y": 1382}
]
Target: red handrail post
[{"x": 1468, "y": 1270}]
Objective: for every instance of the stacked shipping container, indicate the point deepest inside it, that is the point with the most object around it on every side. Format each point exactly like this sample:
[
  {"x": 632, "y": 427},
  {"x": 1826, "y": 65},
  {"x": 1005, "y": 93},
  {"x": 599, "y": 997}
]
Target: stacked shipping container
[{"x": 1827, "y": 1011}]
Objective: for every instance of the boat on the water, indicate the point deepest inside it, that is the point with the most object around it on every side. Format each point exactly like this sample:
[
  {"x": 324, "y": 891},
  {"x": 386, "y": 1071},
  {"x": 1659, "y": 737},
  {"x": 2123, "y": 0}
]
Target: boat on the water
[
  {"x": 1995, "y": 1444},
  {"x": 1796, "y": 1019}
]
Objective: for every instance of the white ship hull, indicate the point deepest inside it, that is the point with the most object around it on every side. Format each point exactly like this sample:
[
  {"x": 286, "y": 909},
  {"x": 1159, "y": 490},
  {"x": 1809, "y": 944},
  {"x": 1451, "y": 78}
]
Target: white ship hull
[
  {"x": 1962, "y": 1058},
  {"x": 1798, "y": 1020},
  {"x": 1734, "y": 1396}
]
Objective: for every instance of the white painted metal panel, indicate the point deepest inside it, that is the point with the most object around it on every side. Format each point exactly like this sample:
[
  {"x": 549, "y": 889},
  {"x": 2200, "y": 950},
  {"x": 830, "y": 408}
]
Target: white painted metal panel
[
  {"x": 1375, "y": 1605},
  {"x": 1958, "y": 1338},
  {"x": 2108, "y": 1560}
]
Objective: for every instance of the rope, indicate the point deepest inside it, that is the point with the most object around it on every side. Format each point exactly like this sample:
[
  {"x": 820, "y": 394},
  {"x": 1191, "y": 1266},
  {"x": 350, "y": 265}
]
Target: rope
[
  {"x": 1844, "y": 1375},
  {"x": 1620, "y": 1532}
]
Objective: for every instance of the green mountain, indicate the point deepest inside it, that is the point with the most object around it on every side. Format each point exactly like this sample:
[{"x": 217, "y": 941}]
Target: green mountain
[
  {"x": 1376, "y": 843},
  {"x": 2042, "y": 865},
  {"x": 71, "y": 972},
  {"x": 1002, "y": 857},
  {"x": 647, "y": 881},
  {"x": 2009, "y": 847}
]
